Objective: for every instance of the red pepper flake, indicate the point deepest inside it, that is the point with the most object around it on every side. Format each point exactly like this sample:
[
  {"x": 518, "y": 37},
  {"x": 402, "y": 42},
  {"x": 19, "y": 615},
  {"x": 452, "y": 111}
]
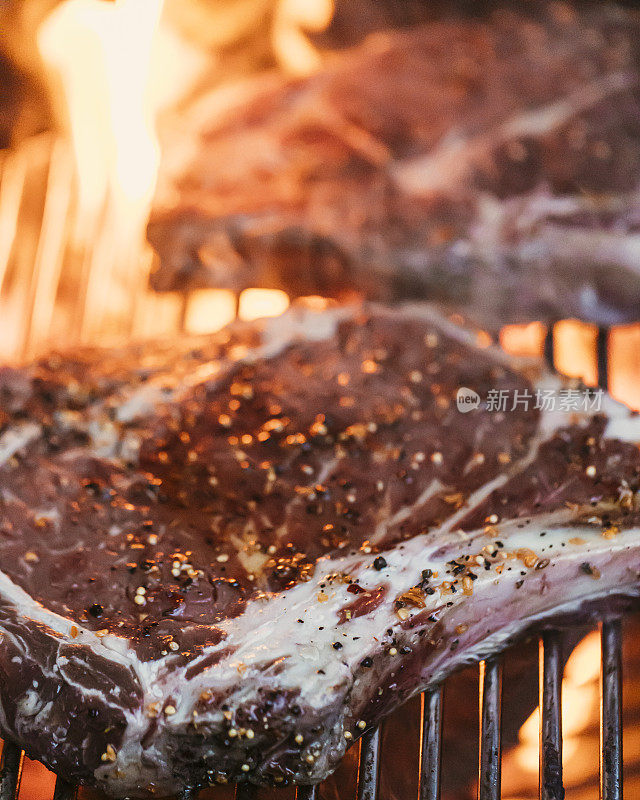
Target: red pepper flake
[{"x": 412, "y": 597}]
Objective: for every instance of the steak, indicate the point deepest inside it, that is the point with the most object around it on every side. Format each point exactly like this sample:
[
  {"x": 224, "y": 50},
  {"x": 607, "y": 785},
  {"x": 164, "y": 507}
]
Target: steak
[
  {"x": 492, "y": 163},
  {"x": 225, "y": 559}
]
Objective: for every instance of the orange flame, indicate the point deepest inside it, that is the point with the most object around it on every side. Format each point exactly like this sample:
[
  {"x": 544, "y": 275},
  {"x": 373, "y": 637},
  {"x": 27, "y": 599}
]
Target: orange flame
[
  {"x": 116, "y": 66},
  {"x": 293, "y": 49},
  {"x": 580, "y": 713},
  {"x": 102, "y": 55},
  {"x": 212, "y": 309}
]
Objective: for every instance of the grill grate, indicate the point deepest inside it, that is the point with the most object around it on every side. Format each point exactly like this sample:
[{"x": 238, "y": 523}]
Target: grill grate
[
  {"x": 430, "y": 750},
  {"x": 490, "y": 750},
  {"x": 551, "y": 716},
  {"x": 611, "y": 712},
  {"x": 551, "y": 787}
]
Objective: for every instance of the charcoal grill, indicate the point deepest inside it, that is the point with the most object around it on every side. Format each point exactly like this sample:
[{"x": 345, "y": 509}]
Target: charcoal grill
[{"x": 42, "y": 278}]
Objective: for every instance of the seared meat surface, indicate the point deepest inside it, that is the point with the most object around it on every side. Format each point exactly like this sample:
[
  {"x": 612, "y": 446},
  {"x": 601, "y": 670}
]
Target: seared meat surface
[
  {"x": 228, "y": 563},
  {"x": 492, "y": 163}
]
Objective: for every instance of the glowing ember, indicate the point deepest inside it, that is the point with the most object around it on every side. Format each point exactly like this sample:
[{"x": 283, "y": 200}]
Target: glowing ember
[
  {"x": 256, "y": 303},
  {"x": 37, "y": 781},
  {"x": 575, "y": 350},
  {"x": 293, "y": 17},
  {"x": 209, "y": 310},
  {"x": 624, "y": 365},
  {"x": 523, "y": 340},
  {"x": 574, "y": 346}
]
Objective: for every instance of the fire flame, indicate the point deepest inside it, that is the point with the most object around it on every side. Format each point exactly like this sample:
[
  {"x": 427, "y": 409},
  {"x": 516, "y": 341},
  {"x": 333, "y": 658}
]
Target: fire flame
[
  {"x": 102, "y": 55},
  {"x": 575, "y": 353},
  {"x": 580, "y": 712},
  {"x": 116, "y": 67},
  {"x": 211, "y": 309},
  {"x": 293, "y": 49}
]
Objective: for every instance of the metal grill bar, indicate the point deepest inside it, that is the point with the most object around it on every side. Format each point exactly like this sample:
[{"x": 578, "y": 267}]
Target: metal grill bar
[
  {"x": 548, "y": 346},
  {"x": 369, "y": 766},
  {"x": 307, "y": 793},
  {"x": 551, "y": 787},
  {"x": 430, "y": 744},
  {"x": 64, "y": 790},
  {"x": 10, "y": 771},
  {"x": 602, "y": 357},
  {"x": 611, "y": 712},
  {"x": 489, "y": 783}
]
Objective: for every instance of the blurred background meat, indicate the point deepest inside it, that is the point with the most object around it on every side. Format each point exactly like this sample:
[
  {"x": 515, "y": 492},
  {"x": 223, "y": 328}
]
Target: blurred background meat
[{"x": 491, "y": 163}]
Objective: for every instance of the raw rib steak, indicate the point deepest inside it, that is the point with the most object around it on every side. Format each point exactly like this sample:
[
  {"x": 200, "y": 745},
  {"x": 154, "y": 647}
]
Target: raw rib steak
[
  {"x": 493, "y": 164},
  {"x": 228, "y": 559}
]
